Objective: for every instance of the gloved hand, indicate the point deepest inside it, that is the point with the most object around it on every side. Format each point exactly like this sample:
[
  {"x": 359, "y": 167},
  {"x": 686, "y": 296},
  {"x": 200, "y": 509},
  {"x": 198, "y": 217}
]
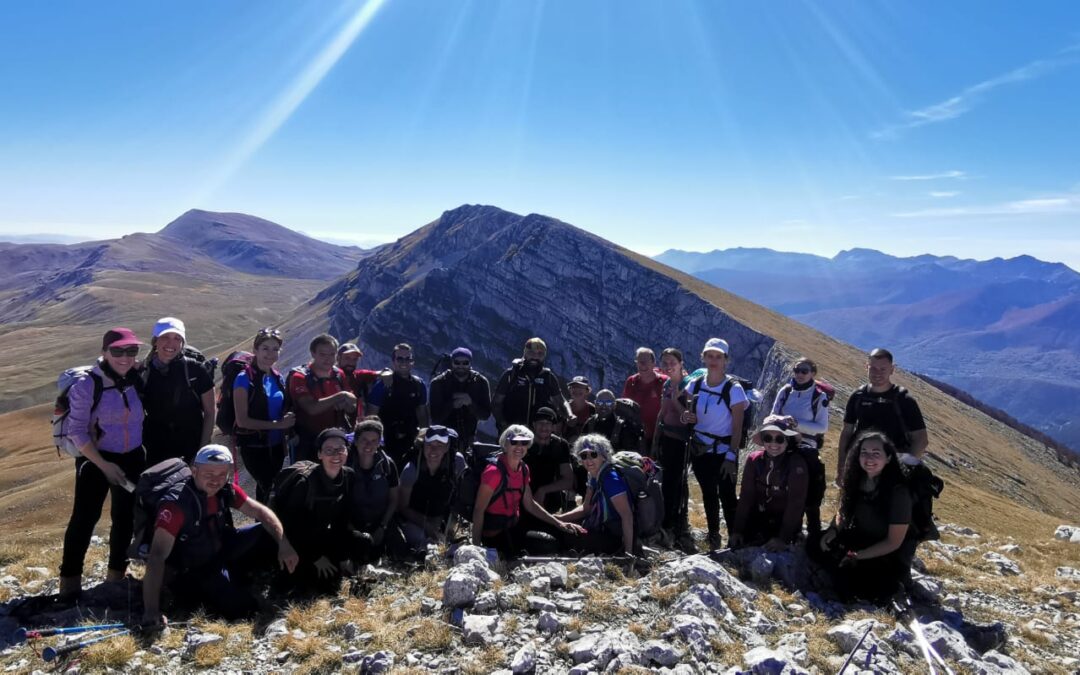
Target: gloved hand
[
  {"x": 908, "y": 459},
  {"x": 729, "y": 469}
]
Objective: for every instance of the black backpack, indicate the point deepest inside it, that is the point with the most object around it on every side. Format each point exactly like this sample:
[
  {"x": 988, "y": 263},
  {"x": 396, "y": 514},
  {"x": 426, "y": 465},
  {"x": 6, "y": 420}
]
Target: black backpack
[
  {"x": 292, "y": 478},
  {"x": 167, "y": 479},
  {"x": 901, "y": 392},
  {"x": 925, "y": 487},
  {"x": 725, "y": 396},
  {"x": 235, "y": 363},
  {"x": 189, "y": 356}
]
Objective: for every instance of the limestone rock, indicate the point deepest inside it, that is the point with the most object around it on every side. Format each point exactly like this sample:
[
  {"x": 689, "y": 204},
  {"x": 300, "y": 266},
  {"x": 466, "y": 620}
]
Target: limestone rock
[
  {"x": 524, "y": 660},
  {"x": 702, "y": 569},
  {"x": 601, "y": 648},
  {"x": 661, "y": 653},
  {"x": 377, "y": 663},
  {"x": 1002, "y": 565},
  {"x": 1070, "y": 533},
  {"x": 948, "y": 642},
  {"x": 478, "y": 629}
]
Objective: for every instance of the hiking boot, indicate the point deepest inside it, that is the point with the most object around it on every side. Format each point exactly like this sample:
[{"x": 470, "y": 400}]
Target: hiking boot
[
  {"x": 70, "y": 588},
  {"x": 114, "y": 576},
  {"x": 685, "y": 543},
  {"x": 714, "y": 541}
]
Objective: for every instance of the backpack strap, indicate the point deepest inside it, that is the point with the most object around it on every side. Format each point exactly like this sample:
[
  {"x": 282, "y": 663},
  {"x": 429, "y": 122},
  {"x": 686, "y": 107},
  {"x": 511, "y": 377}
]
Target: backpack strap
[
  {"x": 785, "y": 392},
  {"x": 901, "y": 392}
]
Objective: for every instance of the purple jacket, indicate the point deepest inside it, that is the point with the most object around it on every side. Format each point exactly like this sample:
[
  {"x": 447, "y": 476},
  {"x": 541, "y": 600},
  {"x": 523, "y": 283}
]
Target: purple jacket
[{"x": 112, "y": 426}]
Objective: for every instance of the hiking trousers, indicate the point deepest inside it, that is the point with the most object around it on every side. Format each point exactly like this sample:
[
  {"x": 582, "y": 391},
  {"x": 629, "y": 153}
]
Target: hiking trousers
[
  {"x": 91, "y": 487},
  {"x": 716, "y": 491},
  {"x": 815, "y": 491},
  {"x": 676, "y": 491},
  {"x": 222, "y": 586},
  {"x": 263, "y": 463}
]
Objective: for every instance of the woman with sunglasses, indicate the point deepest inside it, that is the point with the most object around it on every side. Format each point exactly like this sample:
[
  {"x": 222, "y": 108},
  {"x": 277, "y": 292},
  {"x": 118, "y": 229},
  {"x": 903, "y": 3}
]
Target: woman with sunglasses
[
  {"x": 504, "y": 491},
  {"x": 669, "y": 445},
  {"x": 313, "y": 500},
  {"x": 773, "y": 492},
  {"x": 806, "y": 407},
  {"x": 427, "y": 491},
  {"x": 869, "y": 547},
  {"x": 261, "y": 418},
  {"x": 106, "y": 422},
  {"x": 606, "y": 512}
]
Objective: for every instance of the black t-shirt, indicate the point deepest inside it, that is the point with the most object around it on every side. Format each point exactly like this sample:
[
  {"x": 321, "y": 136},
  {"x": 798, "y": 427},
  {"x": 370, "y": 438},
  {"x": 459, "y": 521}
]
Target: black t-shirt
[
  {"x": 867, "y": 409},
  {"x": 172, "y": 399},
  {"x": 544, "y": 461},
  {"x": 874, "y": 513},
  {"x": 371, "y": 497}
]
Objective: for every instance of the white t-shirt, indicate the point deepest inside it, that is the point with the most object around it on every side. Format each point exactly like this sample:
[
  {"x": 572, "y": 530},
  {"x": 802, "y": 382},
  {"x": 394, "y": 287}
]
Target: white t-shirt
[{"x": 713, "y": 416}]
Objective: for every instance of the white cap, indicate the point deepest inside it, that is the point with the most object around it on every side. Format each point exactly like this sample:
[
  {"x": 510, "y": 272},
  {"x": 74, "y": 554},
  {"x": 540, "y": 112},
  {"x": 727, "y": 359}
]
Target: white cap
[
  {"x": 213, "y": 454},
  {"x": 716, "y": 345},
  {"x": 170, "y": 324}
]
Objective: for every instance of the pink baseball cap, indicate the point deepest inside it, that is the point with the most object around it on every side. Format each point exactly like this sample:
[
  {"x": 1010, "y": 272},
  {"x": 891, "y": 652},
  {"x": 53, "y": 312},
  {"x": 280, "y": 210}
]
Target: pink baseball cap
[{"x": 119, "y": 337}]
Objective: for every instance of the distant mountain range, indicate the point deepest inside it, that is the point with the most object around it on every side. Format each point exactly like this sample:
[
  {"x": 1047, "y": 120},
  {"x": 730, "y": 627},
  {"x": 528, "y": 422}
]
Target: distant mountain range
[{"x": 1004, "y": 330}]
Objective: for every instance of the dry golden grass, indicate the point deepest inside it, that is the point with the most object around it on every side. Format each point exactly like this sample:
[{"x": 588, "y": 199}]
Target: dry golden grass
[
  {"x": 665, "y": 596},
  {"x": 484, "y": 661},
  {"x": 112, "y": 653},
  {"x": 209, "y": 655},
  {"x": 325, "y": 662},
  {"x": 601, "y": 605},
  {"x": 432, "y": 635},
  {"x": 302, "y": 648}
]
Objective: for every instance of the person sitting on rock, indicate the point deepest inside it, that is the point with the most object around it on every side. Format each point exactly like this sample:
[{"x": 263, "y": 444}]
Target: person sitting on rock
[
  {"x": 525, "y": 387},
  {"x": 375, "y": 499},
  {"x": 503, "y": 493},
  {"x": 870, "y": 546},
  {"x": 606, "y": 513},
  {"x": 806, "y": 408},
  {"x": 622, "y": 433},
  {"x": 774, "y": 486},
  {"x": 313, "y": 500},
  {"x": 425, "y": 501},
  {"x": 200, "y": 555},
  {"x": 551, "y": 472}
]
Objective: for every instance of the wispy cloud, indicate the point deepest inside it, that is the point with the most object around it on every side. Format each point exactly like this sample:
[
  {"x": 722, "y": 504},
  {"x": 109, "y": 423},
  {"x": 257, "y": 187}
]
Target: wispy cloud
[
  {"x": 1063, "y": 204},
  {"x": 957, "y": 175},
  {"x": 968, "y": 98},
  {"x": 942, "y": 194}
]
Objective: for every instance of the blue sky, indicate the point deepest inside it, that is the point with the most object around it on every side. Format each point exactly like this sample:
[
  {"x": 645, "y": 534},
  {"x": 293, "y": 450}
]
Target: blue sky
[{"x": 905, "y": 126}]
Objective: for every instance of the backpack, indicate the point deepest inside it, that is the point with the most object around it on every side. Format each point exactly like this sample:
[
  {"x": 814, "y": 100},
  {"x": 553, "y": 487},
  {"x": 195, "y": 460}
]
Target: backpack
[
  {"x": 752, "y": 397},
  {"x": 901, "y": 392},
  {"x": 291, "y": 478},
  {"x": 62, "y": 406},
  {"x": 167, "y": 479},
  {"x": 925, "y": 487},
  {"x": 235, "y": 363},
  {"x": 644, "y": 480},
  {"x": 188, "y": 356},
  {"x": 822, "y": 396},
  {"x": 480, "y": 457}
]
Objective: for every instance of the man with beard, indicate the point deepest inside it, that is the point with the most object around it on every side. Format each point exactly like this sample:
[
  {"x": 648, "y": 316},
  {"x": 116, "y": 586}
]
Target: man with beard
[
  {"x": 460, "y": 397},
  {"x": 359, "y": 379},
  {"x": 526, "y": 386}
]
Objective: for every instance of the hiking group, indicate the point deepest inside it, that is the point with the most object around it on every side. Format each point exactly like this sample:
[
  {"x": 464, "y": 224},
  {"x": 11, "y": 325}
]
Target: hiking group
[{"x": 352, "y": 465}]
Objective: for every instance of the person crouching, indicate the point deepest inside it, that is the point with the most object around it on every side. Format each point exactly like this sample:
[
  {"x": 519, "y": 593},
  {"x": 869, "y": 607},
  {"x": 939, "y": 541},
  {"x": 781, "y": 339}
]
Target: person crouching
[{"x": 774, "y": 487}]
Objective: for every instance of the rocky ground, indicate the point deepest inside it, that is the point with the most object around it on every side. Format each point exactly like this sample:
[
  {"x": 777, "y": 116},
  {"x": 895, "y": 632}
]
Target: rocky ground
[{"x": 986, "y": 606}]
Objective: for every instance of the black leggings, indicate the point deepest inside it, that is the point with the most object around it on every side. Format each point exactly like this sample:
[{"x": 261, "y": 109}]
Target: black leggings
[
  {"x": 263, "y": 463},
  {"x": 676, "y": 491},
  {"x": 716, "y": 490},
  {"x": 815, "y": 492},
  {"x": 91, "y": 486}
]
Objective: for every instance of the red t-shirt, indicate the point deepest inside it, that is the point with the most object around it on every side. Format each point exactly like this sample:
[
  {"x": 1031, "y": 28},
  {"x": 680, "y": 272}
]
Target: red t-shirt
[
  {"x": 509, "y": 502},
  {"x": 360, "y": 382},
  {"x": 170, "y": 517},
  {"x": 648, "y": 397},
  {"x": 323, "y": 388}
]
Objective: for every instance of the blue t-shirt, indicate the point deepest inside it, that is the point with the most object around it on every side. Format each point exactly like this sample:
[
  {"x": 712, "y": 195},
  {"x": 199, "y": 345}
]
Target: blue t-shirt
[
  {"x": 275, "y": 400},
  {"x": 610, "y": 484}
]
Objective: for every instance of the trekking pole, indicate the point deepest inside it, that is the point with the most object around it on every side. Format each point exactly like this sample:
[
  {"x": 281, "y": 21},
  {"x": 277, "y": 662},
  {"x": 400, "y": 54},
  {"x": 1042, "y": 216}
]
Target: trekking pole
[
  {"x": 905, "y": 611},
  {"x": 857, "y": 645},
  {"x": 53, "y": 653},
  {"x": 23, "y": 634}
]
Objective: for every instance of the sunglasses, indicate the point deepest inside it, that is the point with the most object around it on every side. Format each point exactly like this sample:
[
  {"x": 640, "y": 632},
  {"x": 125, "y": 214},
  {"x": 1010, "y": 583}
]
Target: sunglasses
[
  {"x": 461, "y": 363},
  {"x": 521, "y": 443},
  {"x": 403, "y": 359},
  {"x": 773, "y": 438},
  {"x": 589, "y": 454},
  {"x": 801, "y": 371},
  {"x": 605, "y": 403},
  {"x": 117, "y": 352}
]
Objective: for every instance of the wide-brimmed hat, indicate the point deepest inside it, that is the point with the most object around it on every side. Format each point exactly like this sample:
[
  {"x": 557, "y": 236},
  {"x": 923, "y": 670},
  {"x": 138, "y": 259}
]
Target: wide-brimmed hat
[{"x": 775, "y": 423}]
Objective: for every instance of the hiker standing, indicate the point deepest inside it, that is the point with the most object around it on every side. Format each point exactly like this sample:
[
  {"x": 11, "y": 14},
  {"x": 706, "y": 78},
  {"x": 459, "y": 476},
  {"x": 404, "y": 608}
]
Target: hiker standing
[
  {"x": 375, "y": 499},
  {"x": 503, "y": 493},
  {"x": 645, "y": 387},
  {"x": 525, "y": 387},
  {"x": 313, "y": 500},
  {"x": 359, "y": 379},
  {"x": 669, "y": 445},
  {"x": 870, "y": 546},
  {"x": 321, "y": 395},
  {"x": 606, "y": 512},
  {"x": 460, "y": 397},
  {"x": 207, "y": 559},
  {"x": 106, "y": 423},
  {"x": 261, "y": 417},
  {"x": 178, "y": 395},
  {"x": 774, "y": 488},
  {"x": 886, "y": 407},
  {"x": 427, "y": 490},
  {"x": 624, "y": 433},
  {"x": 400, "y": 401},
  {"x": 804, "y": 402},
  {"x": 716, "y": 411},
  {"x": 581, "y": 409}
]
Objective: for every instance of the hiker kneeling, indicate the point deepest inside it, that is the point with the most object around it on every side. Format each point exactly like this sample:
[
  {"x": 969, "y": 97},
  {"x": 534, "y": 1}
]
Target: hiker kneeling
[
  {"x": 774, "y": 488},
  {"x": 504, "y": 491},
  {"x": 194, "y": 547},
  {"x": 314, "y": 502},
  {"x": 426, "y": 497},
  {"x": 606, "y": 514},
  {"x": 870, "y": 546}
]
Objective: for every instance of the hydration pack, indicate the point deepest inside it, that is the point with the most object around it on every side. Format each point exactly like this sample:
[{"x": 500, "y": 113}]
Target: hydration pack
[{"x": 644, "y": 483}]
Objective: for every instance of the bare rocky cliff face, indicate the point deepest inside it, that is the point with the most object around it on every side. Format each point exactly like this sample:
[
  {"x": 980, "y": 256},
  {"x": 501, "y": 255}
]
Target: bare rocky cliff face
[{"x": 488, "y": 279}]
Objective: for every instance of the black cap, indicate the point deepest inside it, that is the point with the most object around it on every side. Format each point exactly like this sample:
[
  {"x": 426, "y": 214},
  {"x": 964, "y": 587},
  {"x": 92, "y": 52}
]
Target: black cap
[
  {"x": 581, "y": 380},
  {"x": 545, "y": 413},
  {"x": 332, "y": 432}
]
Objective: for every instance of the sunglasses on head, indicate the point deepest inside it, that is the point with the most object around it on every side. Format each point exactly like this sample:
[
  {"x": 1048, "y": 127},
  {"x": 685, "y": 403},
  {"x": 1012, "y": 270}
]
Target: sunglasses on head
[
  {"x": 589, "y": 454},
  {"x": 118, "y": 352},
  {"x": 801, "y": 370},
  {"x": 773, "y": 438},
  {"x": 270, "y": 332}
]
